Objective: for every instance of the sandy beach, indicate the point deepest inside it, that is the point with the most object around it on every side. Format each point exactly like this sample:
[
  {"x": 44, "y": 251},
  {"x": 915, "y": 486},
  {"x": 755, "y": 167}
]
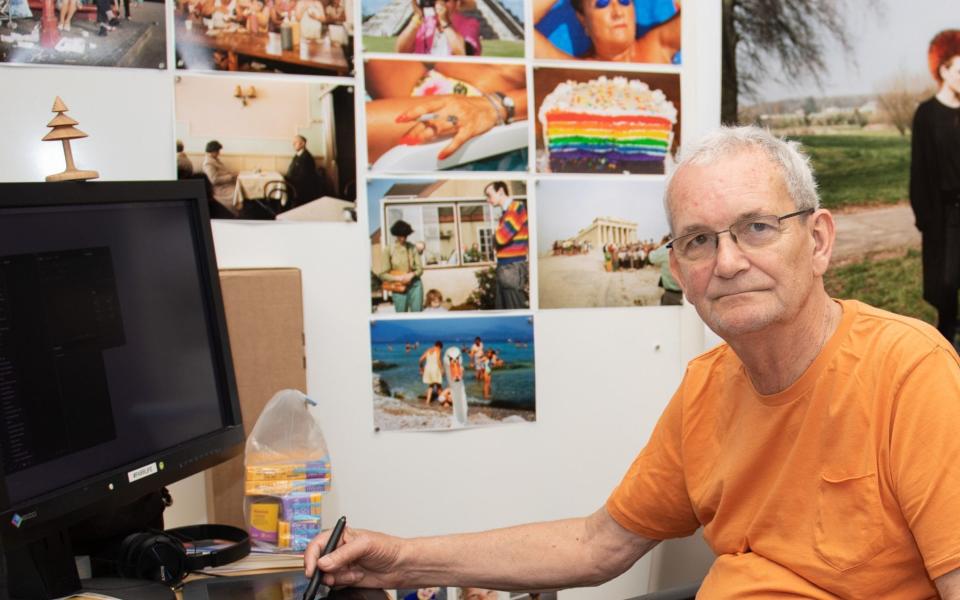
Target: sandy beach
[{"x": 392, "y": 413}]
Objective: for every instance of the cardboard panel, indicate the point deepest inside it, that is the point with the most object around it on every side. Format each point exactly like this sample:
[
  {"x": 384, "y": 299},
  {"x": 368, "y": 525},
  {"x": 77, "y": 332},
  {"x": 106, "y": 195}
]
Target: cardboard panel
[{"x": 264, "y": 311}]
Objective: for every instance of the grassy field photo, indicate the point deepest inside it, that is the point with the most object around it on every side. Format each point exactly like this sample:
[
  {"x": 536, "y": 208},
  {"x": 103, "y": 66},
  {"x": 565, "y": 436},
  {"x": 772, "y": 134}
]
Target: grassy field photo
[
  {"x": 859, "y": 169},
  {"x": 491, "y": 48},
  {"x": 893, "y": 284},
  {"x": 848, "y": 96}
]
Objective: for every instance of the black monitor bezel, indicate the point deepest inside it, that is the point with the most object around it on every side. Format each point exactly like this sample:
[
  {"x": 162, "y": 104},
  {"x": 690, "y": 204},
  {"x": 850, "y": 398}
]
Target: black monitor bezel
[{"x": 92, "y": 495}]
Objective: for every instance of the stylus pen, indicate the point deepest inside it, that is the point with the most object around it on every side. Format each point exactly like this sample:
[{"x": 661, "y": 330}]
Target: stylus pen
[{"x": 317, "y": 578}]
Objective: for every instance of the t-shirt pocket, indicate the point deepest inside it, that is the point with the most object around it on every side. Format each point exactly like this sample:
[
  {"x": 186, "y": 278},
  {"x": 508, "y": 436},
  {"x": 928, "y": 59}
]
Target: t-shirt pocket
[{"x": 849, "y": 528}]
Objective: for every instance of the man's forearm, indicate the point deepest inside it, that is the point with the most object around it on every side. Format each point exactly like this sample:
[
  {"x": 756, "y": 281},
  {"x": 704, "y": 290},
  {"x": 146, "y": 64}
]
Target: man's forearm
[
  {"x": 555, "y": 554},
  {"x": 949, "y": 585}
]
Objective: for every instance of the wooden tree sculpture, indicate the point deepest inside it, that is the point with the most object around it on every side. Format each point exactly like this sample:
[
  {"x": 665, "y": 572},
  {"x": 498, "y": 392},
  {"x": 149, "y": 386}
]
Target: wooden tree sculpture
[{"x": 63, "y": 129}]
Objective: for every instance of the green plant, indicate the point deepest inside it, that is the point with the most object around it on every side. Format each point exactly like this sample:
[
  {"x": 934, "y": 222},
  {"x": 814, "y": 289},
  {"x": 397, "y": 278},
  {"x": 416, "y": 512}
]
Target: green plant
[{"x": 484, "y": 297}]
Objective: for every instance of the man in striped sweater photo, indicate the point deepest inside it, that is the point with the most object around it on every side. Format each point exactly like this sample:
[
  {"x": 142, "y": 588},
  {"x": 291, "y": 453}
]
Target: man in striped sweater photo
[{"x": 512, "y": 240}]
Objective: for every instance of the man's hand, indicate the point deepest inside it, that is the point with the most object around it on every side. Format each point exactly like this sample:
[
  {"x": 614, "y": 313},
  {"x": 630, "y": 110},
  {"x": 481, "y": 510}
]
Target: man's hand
[{"x": 363, "y": 559}]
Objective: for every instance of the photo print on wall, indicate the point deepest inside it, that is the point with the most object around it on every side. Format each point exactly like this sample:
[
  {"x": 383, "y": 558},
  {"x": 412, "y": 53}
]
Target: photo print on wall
[
  {"x": 269, "y": 149},
  {"x": 489, "y": 28},
  {"x": 440, "y": 116},
  {"x": 628, "y": 31},
  {"x": 451, "y": 373},
  {"x": 605, "y": 121},
  {"x": 448, "y": 245},
  {"x": 852, "y": 109},
  {"x": 100, "y": 33},
  {"x": 602, "y": 244},
  {"x": 307, "y": 37}
]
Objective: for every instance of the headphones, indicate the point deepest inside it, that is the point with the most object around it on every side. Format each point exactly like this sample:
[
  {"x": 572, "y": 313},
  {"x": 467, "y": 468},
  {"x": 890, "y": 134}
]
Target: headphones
[{"x": 168, "y": 556}]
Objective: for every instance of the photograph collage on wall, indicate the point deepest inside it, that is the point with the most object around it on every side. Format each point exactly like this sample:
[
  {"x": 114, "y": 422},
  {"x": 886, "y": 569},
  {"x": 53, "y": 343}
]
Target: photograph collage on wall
[
  {"x": 508, "y": 135},
  {"x": 442, "y": 248},
  {"x": 463, "y": 131}
]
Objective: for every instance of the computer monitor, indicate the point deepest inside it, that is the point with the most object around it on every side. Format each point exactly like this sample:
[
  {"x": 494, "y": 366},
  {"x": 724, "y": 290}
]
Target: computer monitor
[{"x": 115, "y": 369}]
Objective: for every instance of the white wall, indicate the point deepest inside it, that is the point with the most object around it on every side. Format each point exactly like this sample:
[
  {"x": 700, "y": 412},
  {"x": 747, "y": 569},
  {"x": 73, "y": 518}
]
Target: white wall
[{"x": 603, "y": 376}]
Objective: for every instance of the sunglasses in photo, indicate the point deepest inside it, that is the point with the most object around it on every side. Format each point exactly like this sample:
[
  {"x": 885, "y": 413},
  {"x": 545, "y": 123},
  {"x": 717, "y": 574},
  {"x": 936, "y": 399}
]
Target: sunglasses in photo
[{"x": 605, "y": 3}]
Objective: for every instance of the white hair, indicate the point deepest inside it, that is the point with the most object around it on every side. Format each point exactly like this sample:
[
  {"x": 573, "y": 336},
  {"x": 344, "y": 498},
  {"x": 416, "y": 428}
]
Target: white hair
[{"x": 794, "y": 165}]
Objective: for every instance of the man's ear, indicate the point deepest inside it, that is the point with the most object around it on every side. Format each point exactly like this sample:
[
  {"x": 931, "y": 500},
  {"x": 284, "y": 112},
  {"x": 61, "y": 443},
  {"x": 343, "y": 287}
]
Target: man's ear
[
  {"x": 675, "y": 270},
  {"x": 824, "y": 234}
]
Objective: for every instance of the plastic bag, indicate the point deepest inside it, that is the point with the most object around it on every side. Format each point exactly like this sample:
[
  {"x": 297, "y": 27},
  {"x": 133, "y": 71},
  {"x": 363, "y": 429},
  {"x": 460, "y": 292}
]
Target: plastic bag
[{"x": 287, "y": 470}]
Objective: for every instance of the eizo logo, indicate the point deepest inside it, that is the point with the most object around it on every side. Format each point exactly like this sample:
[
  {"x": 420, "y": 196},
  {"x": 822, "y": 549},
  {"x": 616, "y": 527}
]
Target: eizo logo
[{"x": 18, "y": 520}]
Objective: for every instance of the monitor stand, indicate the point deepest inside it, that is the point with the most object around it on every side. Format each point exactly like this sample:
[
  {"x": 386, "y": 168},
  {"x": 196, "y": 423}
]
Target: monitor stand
[{"x": 45, "y": 568}]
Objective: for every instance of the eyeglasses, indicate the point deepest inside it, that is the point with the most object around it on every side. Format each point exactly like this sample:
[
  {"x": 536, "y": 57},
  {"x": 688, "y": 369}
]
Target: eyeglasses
[
  {"x": 606, "y": 3},
  {"x": 751, "y": 233}
]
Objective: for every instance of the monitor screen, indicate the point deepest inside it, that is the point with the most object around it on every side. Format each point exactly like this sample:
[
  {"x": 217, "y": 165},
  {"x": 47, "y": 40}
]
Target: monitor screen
[{"x": 115, "y": 374}]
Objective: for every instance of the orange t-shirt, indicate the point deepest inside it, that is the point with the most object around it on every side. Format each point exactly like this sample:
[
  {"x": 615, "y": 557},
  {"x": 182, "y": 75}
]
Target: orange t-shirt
[{"x": 845, "y": 484}]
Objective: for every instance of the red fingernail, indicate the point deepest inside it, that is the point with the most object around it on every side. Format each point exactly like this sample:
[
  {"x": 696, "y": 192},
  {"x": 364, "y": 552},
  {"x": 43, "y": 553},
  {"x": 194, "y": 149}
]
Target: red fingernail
[
  {"x": 400, "y": 119},
  {"x": 409, "y": 140},
  {"x": 443, "y": 155}
]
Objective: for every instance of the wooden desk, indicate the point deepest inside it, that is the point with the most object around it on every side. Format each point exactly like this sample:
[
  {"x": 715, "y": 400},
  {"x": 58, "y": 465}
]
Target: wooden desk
[{"x": 315, "y": 55}]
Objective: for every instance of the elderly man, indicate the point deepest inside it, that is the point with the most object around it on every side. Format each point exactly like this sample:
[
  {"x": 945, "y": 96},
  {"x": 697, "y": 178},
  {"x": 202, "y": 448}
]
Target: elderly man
[
  {"x": 302, "y": 174},
  {"x": 817, "y": 447}
]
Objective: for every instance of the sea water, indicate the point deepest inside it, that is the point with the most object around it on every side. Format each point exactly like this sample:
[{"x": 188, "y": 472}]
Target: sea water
[{"x": 512, "y": 385}]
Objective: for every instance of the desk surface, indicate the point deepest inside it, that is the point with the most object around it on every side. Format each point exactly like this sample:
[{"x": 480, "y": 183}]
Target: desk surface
[
  {"x": 317, "y": 55},
  {"x": 282, "y": 585}
]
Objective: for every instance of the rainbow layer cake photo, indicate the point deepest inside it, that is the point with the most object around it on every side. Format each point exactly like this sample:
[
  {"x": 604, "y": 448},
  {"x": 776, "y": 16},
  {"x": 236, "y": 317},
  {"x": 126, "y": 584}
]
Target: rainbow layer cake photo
[{"x": 606, "y": 125}]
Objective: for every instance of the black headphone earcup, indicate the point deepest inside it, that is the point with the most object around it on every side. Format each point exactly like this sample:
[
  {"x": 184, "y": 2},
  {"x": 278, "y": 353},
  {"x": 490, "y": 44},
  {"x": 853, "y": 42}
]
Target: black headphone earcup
[
  {"x": 164, "y": 561},
  {"x": 130, "y": 545},
  {"x": 153, "y": 556}
]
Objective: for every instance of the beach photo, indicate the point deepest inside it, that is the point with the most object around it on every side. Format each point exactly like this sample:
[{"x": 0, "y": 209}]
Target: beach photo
[
  {"x": 307, "y": 37},
  {"x": 591, "y": 121},
  {"x": 449, "y": 373},
  {"x": 268, "y": 149},
  {"x": 445, "y": 116},
  {"x": 448, "y": 245},
  {"x": 629, "y": 31},
  {"x": 490, "y": 28},
  {"x": 602, "y": 244},
  {"x": 101, "y": 33}
]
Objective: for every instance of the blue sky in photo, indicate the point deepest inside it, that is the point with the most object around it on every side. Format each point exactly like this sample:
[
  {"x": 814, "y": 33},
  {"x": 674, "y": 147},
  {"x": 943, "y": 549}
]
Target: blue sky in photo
[
  {"x": 873, "y": 59},
  {"x": 564, "y": 207},
  {"x": 376, "y": 189}
]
